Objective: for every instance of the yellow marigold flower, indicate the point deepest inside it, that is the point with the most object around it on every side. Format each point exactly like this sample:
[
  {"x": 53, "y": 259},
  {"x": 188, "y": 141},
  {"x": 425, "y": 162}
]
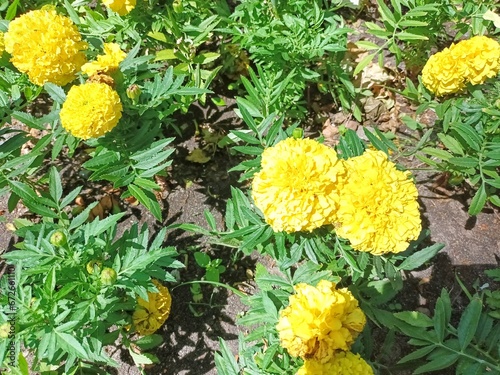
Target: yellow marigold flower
[
  {"x": 45, "y": 45},
  {"x": 107, "y": 63},
  {"x": 150, "y": 315},
  {"x": 481, "y": 57},
  {"x": 91, "y": 110},
  {"x": 297, "y": 188},
  {"x": 444, "y": 73},
  {"x": 378, "y": 212},
  {"x": 319, "y": 321},
  {"x": 122, "y": 7},
  {"x": 342, "y": 363}
]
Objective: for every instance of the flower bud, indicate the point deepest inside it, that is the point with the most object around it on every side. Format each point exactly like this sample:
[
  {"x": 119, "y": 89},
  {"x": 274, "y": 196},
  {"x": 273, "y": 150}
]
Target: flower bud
[
  {"x": 298, "y": 133},
  {"x": 133, "y": 92},
  {"x": 4, "y": 330},
  {"x": 58, "y": 238},
  {"x": 92, "y": 265},
  {"x": 108, "y": 276},
  {"x": 177, "y": 5}
]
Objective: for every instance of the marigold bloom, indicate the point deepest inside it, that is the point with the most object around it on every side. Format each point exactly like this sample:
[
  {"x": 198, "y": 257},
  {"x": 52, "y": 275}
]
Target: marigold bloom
[
  {"x": 297, "y": 188},
  {"x": 378, "y": 212},
  {"x": 444, "y": 73},
  {"x": 107, "y": 63},
  {"x": 342, "y": 363},
  {"x": 150, "y": 315},
  {"x": 122, "y": 7},
  {"x": 91, "y": 110},
  {"x": 319, "y": 321},
  {"x": 481, "y": 56},
  {"x": 45, "y": 45}
]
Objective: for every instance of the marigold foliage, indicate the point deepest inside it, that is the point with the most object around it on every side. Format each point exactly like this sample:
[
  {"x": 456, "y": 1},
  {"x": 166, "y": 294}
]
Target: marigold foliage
[
  {"x": 45, "y": 45},
  {"x": 378, "y": 212},
  {"x": 297, "y": 188},
  {"x": 342, "y": 363},
  {"x": 319, "y": 321},
  {"x": 122, "y": 7},
  {"x": 107, "y": 63},
  {"x": 150, "y": 315},
  {"x": 473, "y": 60},
  {"x": 91, "y": 110}
]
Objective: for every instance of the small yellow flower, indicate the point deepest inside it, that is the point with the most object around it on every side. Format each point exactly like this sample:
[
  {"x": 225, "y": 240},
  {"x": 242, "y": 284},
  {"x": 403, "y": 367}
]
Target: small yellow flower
[
  {"x": 319, "y": 321},
  {"x": 150, "y": 315},
  {"x": 91, "y": 110},
  {"x": 481, "y": 56},
  {"x": 297, "y": 188},
  {"x": 379, "y": 211},
  {"x": 45, "y": 45},
  {"x": 122, "y": 7},
  {"x": 107, "y": 63},
  {"x": 342, "y": 363},
  {"x": 444, "y": 73}
]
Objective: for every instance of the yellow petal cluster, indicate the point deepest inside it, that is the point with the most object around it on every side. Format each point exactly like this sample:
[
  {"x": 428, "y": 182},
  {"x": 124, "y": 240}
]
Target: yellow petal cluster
[
  {"x": 297, "y": 188},
  {"x": 320, "y": 321},
  {"x": 150, "y": 315},
  {"x": 378, "y": 212},
  {"x": 481, "y": 56},
  {"x": 122, "y": 7},
  {"x": 91, "y": 110},
  {"x": 2, "y": 45},
  {"x": 107, "y": 63},
  {"x": 473, "y": 60},
  {"x": 45, "y": 45},
  {"x": 342, "y": 363}
]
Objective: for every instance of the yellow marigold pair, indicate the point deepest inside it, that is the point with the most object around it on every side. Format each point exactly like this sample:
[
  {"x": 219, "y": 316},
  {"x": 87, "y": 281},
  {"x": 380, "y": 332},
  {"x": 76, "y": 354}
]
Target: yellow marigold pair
[
  {"x": 150, "y": 315},
  {"x": 473, "y": 60},
  {"x": 319, "y": 325},
  {"x": 303, "y": 186}
]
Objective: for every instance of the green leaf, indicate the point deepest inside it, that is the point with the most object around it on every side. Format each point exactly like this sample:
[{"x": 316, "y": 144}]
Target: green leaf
[
  {"x": 210, "y": 220},
  {"x": 440, "y": 363},
  {"x": 478, "y": 201},
  {"x": 419, "y": 353},
  {"x": 468, "y": 322},
  {"x": 23, "y": 191},
  {"x": 70, "y": 344},
  {"x": 410, "y": 36},
  {"x": 469, "y": 135},
  {"x": 442, "y": 315},
  {"x": 415, "y": 318},
  {"x": 12, "y": 10},
  {"x": 420, "y": 257},
  {"x": 451, "y": 143},
  {"x": 363, "y": 63},
  {"x": 56, "y": 93},
  {"x": 225, "y": 361},
  {"x": 55, "y": 186},
  {"x": 201, "y": 259},
  {"x": 148, "y": 199},
  {"x": 149, "y": 341},
  {"x": 466, "y": 162}
]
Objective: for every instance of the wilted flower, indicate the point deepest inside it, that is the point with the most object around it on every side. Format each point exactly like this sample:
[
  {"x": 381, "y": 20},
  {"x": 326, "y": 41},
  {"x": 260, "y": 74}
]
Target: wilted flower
[
  {"x": 444, "y": 73},
  {"x": 319, "y": 321},
  {"x": 107, "y": 63},
  {"x": 45, "y": 45},
  {"x": 297, "y": 188},
  {"x": 342, "y": 363},
  {"x": 481, "y": 56},
  {"x": 150, "y": 315},
  {"x": 122, "y": 7},
  {"x": 378, "y": 212},
  {"x": 91, "y": 110}
]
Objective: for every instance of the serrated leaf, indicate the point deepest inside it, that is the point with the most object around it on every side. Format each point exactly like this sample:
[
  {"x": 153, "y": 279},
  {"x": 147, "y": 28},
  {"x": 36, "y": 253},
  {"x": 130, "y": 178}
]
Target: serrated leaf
[
  {"x": 438, "y": 364},
  {"x": 468, "y": 322},
  {"x": 148, "y": 199},
  {"x": 55, "y": 186},
  {"x": 363, "y": 64},
  {"x": 415, "y": 318},
  {"x": 149, "y": 341},
  {"x": 70, "y": 344},
  {"x": 419, "y": 353},
  {"x": 420, "y": 257},
  {"x": 56, "y": 93}
]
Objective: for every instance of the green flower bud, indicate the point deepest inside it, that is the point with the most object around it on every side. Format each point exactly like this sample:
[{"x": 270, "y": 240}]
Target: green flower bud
[
  {"x": 455, "y": 180},
  {"x": 108, "y": 276},
  {"x": 58, "y": 238},
  {"x": 177, "y": 5},
  {"x": 92, "y": 265},
  {"x": 298, "y": 133},
  {"x": 4, "y": 330},
  {"x": 133, "y": 92}
]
